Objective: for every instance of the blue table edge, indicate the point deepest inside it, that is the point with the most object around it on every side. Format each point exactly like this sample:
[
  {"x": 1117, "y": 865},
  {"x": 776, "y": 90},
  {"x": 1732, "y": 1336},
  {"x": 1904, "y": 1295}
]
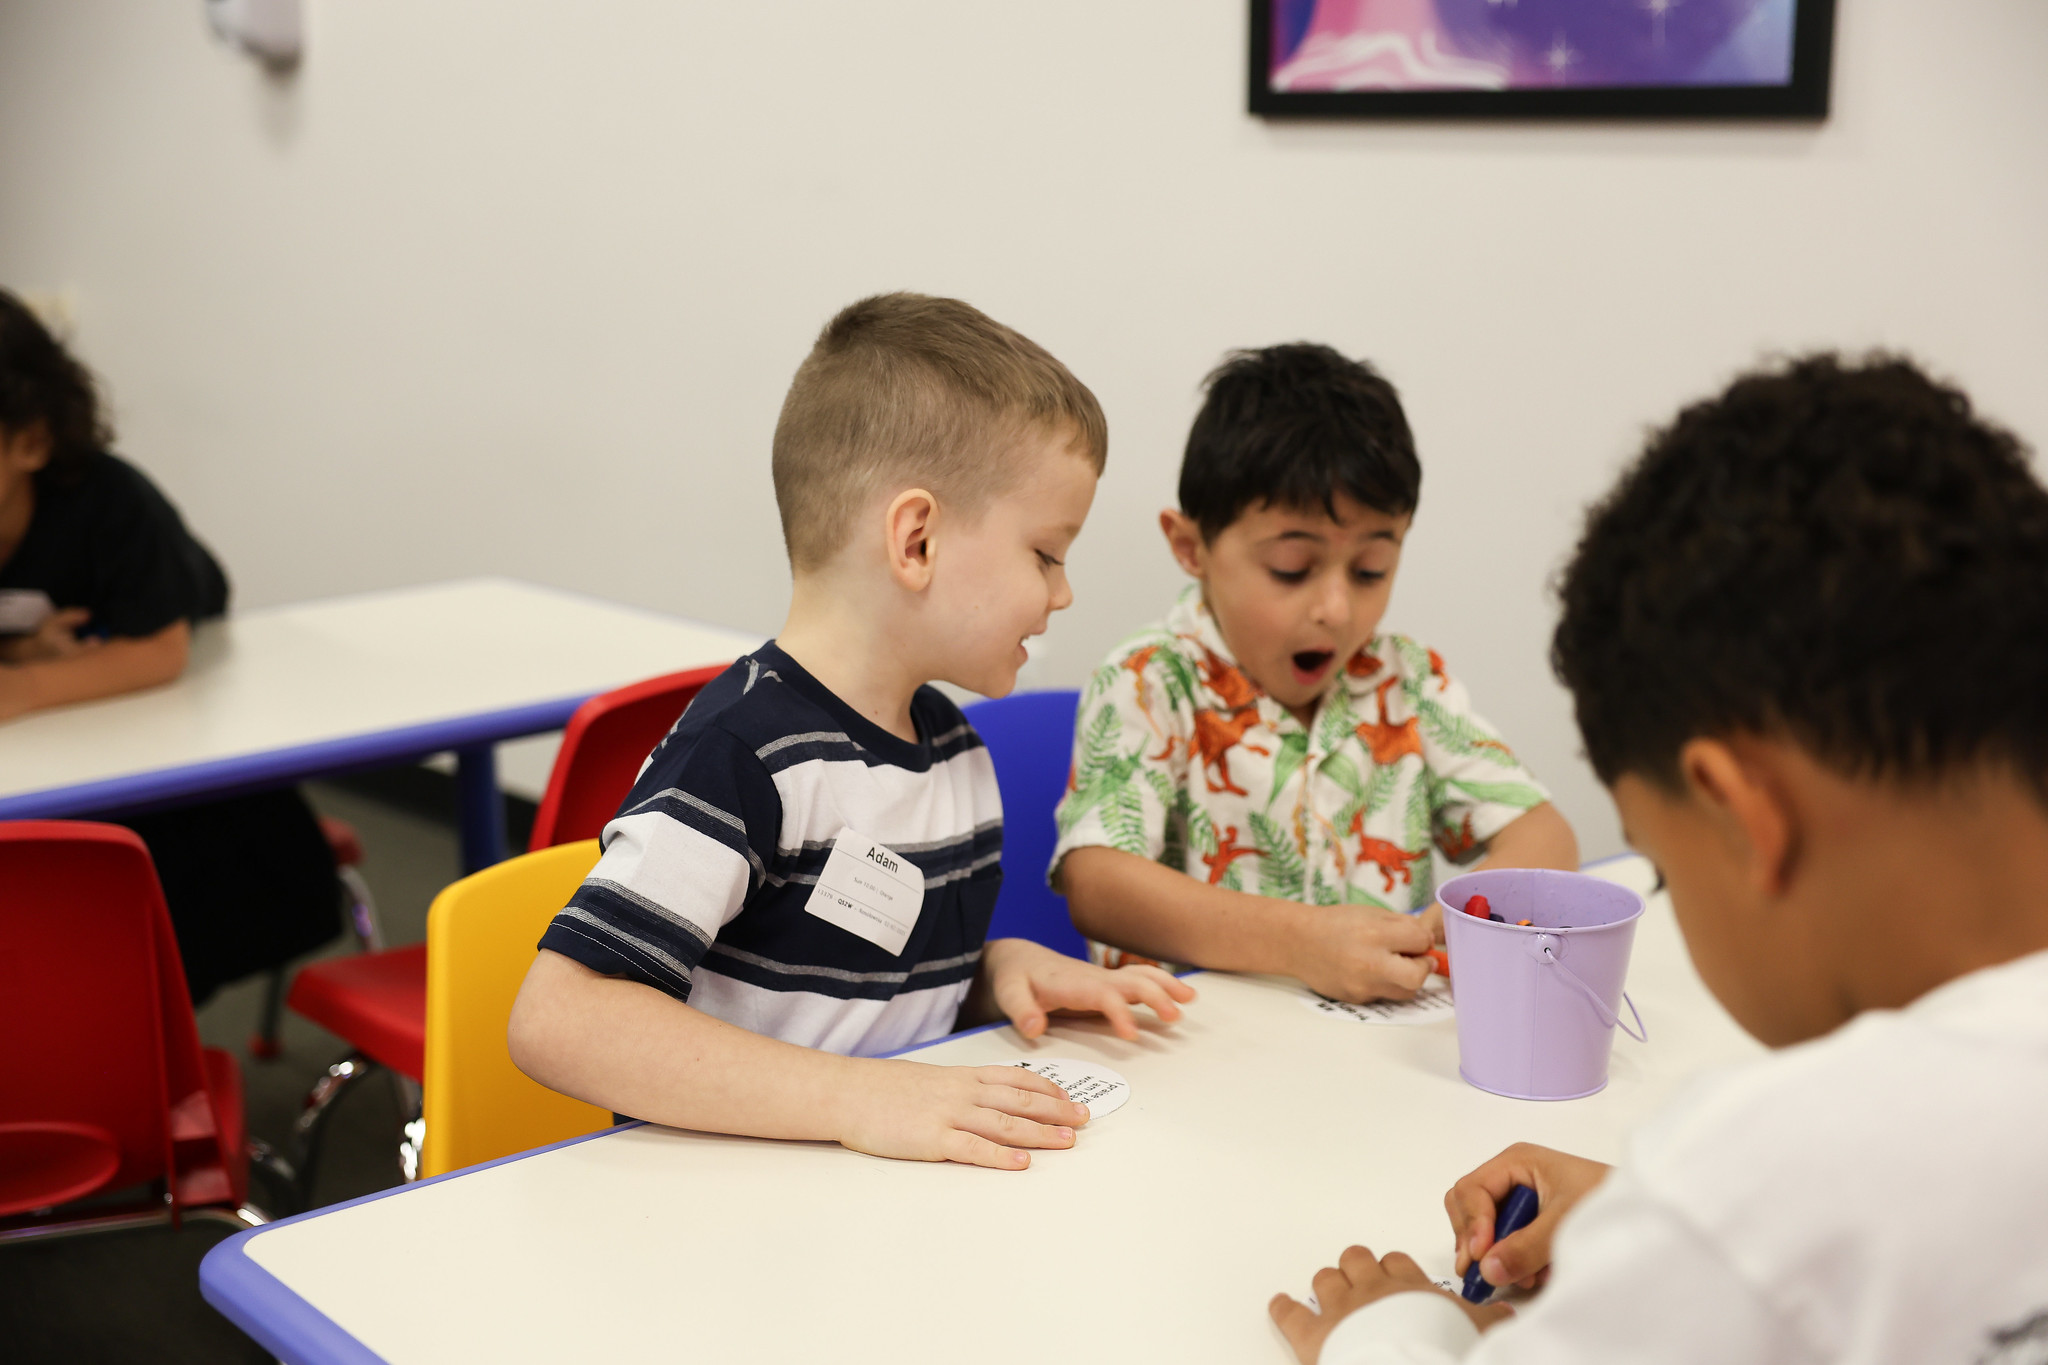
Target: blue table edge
[
  {"x": 294, "y": 1331},
  {"x": 275, "y": 767}
]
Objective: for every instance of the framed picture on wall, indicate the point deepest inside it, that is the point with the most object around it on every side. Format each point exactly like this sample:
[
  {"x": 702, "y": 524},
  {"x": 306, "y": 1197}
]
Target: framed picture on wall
[{"x": 1541, "y": 58}]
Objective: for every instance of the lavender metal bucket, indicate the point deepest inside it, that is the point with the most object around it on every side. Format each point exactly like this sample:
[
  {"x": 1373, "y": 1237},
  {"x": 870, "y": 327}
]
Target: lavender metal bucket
[{"x": 1538, "y": 1005}]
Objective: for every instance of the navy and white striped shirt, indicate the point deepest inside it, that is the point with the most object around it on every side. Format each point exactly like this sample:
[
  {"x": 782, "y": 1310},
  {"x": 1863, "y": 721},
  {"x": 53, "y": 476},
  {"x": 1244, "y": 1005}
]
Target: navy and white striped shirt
[{"x": 709, "y": 863}]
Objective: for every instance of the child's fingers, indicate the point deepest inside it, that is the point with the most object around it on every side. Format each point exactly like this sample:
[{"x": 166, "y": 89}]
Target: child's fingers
[
  {"x": 1520, "y": 1255},
  {"x": 970, "y": 1150},
  {"x": 1406, "y": 934},
  {"x": 1401, "y": 1267},
  {"x": 1110, "y": 1004},
  {"x": 1017, "y": 1078},
  {"x": 1471, "y": 1210},
  {"x": 1292, "y": 1318},
  {"x": 1171, "y": 984},
  {"x": 1018, "y": 1001},
  {"x": 1032, "y": 1104},
  {"x": 1143, "y": 990},
  {"x": 1011, "y": 1131},
  {"x": 1404, "y": 975}
]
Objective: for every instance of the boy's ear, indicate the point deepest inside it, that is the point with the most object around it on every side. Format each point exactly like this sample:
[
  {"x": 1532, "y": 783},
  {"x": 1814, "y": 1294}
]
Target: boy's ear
[
  {"x": 1749, "y": 799},
  {"x": 909, "y": 524},
  {"x": 1184, "y": 538}
]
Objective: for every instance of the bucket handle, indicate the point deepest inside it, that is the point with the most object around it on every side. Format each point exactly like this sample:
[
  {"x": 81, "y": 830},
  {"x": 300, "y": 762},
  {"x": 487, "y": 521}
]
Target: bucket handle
[{"x": 1613, "y": 1020}]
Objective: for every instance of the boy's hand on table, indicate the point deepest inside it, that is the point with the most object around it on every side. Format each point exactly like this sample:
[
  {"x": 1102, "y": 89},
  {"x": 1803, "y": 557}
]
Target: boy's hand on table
[
  {"x": 1523, "y": 1259},
  {"x": 976, "y": 1115},
  {"x": 1360, "y": 1278},
  {"x": 1029, "y": 982},
  {"x": 1357, "y": 953}
]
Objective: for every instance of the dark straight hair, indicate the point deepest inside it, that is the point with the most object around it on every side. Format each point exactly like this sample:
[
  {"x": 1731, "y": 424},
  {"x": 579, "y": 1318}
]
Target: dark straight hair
[{"x": 1294, "y": 426}]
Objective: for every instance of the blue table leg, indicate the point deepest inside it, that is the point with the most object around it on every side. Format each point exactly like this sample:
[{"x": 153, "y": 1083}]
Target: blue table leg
[{"x": 482, "y": 807}]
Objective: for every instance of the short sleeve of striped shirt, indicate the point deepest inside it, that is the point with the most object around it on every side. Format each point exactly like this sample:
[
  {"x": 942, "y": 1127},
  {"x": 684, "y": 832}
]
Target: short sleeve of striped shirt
[{"x": 694, "y": 838}]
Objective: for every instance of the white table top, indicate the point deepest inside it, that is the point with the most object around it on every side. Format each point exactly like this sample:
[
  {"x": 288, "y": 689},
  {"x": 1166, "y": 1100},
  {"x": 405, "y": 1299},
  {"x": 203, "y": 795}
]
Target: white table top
[
  {"x": 285, "y": 678},
  {"x": 1260, "y": 1140}
]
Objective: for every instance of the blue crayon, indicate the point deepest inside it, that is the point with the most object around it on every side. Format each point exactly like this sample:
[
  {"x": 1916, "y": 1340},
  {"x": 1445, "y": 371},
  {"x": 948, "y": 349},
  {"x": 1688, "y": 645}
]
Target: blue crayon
[{"x": 1516, "y": 1212}]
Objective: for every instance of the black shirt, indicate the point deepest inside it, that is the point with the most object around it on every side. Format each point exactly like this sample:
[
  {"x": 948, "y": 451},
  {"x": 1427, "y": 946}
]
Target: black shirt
[{"x": 104, "y": 538}]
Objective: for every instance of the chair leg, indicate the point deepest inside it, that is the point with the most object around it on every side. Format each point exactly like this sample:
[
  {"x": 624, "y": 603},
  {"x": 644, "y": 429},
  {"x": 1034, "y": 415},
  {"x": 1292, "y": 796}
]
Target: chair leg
[
  {"x": 263, "y": 1042},
  {"x": 412, "y": 1146},
  {"x": 279, "y": 1173},
  {"x": 311, "y": 1127},
  {"x": 362, "y": 910}
]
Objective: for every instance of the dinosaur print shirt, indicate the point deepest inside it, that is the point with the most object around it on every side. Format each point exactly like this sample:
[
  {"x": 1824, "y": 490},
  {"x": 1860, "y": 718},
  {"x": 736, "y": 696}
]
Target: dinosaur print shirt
[{"x": 1181, "y": 758}]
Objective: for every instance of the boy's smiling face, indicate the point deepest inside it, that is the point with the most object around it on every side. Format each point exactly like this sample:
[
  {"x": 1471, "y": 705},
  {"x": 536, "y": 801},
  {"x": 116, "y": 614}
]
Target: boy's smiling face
[
  {"x": 1294, "y": 592},
  {"x": 1002, "y": 572}
]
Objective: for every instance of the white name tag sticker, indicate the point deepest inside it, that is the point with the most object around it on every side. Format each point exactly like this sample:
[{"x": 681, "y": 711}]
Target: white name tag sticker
[{"x": 869, "y": 890}]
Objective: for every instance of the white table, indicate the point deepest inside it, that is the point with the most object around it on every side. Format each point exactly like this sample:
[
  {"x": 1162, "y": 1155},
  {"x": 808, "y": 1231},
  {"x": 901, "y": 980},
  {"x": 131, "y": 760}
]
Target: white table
[
  {"x": 283, "y": 694},
  {"x": 1260, "y": 1140}
]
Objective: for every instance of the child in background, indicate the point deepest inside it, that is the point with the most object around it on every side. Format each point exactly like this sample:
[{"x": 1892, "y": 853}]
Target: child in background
[
  {"x": 1259, "y": 781},
  {"x": 100, "y": 585},
  {"x": 1807, "y": 636},
  {"x": 735, "y": 963}
]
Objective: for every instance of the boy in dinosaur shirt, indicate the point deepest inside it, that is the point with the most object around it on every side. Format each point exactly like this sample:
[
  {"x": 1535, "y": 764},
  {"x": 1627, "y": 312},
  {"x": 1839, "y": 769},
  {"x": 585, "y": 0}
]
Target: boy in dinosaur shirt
[{"x": 1259, "y": 780}]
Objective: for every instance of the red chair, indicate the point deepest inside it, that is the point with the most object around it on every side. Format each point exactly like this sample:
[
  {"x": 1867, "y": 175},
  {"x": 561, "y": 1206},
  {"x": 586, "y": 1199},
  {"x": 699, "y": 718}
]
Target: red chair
[
  {"x": 376, "y": 1002},
  {"x": 103, "y": 1083},
  {"x": 603, "y": 747}
]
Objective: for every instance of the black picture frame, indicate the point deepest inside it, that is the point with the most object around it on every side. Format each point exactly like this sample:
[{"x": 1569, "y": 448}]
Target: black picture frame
[{"x": 1804, "y": 97}]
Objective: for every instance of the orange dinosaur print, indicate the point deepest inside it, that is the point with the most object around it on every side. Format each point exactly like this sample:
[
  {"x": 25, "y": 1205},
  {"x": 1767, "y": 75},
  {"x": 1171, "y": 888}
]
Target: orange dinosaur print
[
  {"x": 1390, "y": 742},
  {"x": 1228, "y": 682},
  {"x": 1503, "y": 750},
  {"x": 1363, "y": 664},
  {"x": 1215, "y": 737},
  {"x": 1458, "y": 842},
  {"x": 1227, "y": 852},
  {"x": 1391, "y": 859},
  {"x": 1436, "y": 669},
  {"x": 1136, "y": 664}
]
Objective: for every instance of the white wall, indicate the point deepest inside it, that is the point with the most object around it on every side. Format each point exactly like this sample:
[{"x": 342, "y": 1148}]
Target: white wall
[{"x": 514, "y": 286}]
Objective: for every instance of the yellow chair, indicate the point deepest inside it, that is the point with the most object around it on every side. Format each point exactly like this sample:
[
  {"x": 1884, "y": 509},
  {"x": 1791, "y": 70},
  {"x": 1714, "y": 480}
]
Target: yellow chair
[{"x": 481, "y": 934}]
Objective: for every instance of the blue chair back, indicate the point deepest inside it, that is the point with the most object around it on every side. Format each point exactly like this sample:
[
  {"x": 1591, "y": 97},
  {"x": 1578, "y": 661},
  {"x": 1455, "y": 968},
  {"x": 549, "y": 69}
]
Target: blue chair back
[{"x": 1030, "y": 736}]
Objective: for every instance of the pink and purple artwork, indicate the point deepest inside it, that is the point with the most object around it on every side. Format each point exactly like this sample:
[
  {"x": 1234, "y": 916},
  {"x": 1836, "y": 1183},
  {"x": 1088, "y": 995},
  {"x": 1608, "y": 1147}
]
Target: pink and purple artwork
[{"x": 1370, "y": 47}]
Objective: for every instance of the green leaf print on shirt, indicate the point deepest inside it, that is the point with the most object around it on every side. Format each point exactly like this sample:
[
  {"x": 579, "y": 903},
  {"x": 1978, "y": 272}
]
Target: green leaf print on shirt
[
  {"x": 1293, "y": 751},
  {"x": 1123, "y": 819},
  {"x": 1519, "y": 794},
  {"x": 1178, "y": 675},
  {"x": 1458, "y": 734},
  {"x": 1100, "y": 771},
  {"x": 1282, "y": 872},
  {"x": 1342, "y": 771}
]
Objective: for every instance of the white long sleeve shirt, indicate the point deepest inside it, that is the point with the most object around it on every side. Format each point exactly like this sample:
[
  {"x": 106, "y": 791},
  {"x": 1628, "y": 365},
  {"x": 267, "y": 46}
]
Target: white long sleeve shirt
[{"x": 1875, "y": 1197}]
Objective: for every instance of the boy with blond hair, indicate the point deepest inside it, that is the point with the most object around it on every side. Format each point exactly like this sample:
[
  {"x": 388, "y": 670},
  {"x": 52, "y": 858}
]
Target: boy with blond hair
[
  {"x": 1259, "y": 781},
  {"x": 802, "y": 877}
]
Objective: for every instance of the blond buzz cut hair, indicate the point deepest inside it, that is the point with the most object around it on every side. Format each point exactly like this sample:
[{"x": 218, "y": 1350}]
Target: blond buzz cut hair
[{"x": 918, "y": 392}]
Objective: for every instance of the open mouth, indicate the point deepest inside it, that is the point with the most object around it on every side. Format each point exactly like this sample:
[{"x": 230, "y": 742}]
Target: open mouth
[{"x": 1310, "y": 663}]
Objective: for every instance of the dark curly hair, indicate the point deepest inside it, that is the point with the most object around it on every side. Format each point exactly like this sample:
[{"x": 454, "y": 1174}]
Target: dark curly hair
[
  {"x": 1294, "y": 426},
  {"x": 1840, "y": 552},
  {"x": 41, "y": 382}
]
